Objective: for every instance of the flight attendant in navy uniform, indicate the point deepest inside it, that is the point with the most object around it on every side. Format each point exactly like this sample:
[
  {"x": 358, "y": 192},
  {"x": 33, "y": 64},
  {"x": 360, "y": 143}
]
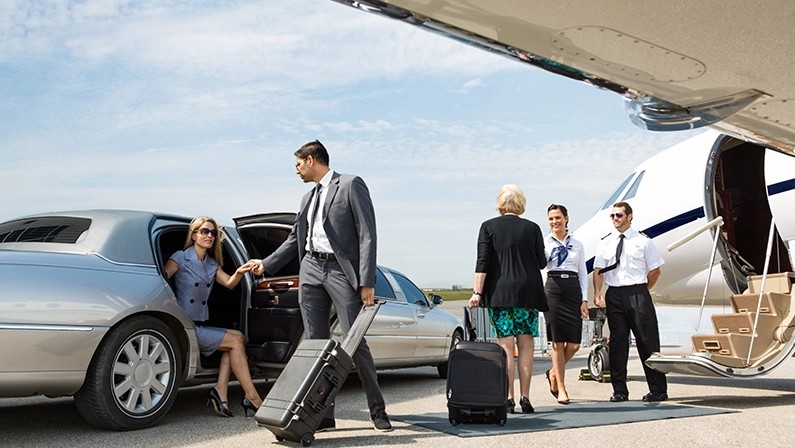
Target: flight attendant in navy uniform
[
  {"x": 195, "y": 270},
  {"x": 629, "y": 264}
]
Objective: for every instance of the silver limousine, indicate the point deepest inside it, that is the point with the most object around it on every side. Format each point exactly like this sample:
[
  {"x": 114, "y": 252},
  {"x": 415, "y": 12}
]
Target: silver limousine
[{"x": 86, "y": 310}]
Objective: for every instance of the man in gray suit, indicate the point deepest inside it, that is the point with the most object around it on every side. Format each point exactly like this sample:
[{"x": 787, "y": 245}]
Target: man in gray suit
[{"x": 334, "y": 237}]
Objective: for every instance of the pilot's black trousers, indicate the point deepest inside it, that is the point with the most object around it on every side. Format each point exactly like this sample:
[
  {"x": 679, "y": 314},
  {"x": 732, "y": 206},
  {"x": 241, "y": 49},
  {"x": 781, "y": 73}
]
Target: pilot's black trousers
[{"x": 631, "y": 308}]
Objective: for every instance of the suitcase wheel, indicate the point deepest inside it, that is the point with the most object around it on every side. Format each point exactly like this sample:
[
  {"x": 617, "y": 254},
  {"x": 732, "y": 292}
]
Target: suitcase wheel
[
  {"x": 454, "y": 422},
  {"x": 307, "y": 439},
  {"x": 279, "y": 439}
]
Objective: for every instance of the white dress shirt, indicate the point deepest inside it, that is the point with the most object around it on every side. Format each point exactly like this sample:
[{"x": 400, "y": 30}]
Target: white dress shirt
[
  {"x": 638, "y": 257},
  {"x": 574, "y": 262},
  {"x": 319, "y": 239}
]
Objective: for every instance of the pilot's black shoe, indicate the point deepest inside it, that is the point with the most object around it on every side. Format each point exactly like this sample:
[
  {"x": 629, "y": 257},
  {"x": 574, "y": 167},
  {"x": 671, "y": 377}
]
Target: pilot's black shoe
[
  {"x": 655, "y": 396},
  {"x": 619, "y": 397}
]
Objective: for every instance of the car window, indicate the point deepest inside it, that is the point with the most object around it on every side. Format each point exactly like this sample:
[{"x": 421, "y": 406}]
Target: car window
[
  {"x": 382, "y": 288},
  {"x": 413, "y": 294},
  {"x": 49, "y": 229},
  {"x": 262, "y": 241},
  {"x": 633, "y": 190}
]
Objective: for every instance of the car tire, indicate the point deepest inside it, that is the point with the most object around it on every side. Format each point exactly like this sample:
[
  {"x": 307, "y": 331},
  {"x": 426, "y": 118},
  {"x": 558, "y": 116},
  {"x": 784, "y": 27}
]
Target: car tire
[
  {"x": 458, "y": 336},
  {"x": 133, "y": 377}
]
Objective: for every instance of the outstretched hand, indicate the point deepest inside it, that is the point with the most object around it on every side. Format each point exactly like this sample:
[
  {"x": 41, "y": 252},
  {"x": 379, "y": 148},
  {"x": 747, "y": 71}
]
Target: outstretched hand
[{"x": 257, "y": 269}]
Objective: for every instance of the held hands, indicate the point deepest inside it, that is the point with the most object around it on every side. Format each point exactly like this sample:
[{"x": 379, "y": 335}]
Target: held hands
[
  {"x": 368, "y": 295},
  {"x": 248, "y": 266}
]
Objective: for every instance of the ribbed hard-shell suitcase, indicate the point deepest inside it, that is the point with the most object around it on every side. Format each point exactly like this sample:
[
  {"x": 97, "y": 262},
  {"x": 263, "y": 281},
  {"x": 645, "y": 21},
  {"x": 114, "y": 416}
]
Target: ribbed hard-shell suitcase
[
  {"x": 477, "y": 384},
  {"x": 309, "y": 383}
]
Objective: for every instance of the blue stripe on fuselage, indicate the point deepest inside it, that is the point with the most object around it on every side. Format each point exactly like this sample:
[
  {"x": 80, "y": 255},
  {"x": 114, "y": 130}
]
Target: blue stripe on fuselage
[
  {"x": 664, "y": 227},
  {"x": 781, "y": 187}
]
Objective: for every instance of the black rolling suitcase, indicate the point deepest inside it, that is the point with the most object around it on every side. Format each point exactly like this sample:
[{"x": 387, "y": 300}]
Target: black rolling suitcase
[
  {"x": 477, "y": 384},
  {"x": 309, "y": 383}
]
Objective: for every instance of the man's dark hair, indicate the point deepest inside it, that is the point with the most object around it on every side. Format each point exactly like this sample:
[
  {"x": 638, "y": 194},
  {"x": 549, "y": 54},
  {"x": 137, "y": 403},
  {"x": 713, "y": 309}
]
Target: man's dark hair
[
  {"x": 562, "y": 209},
  {"x": 314, "y": 149},
  {"x": 625, "y": 206}
]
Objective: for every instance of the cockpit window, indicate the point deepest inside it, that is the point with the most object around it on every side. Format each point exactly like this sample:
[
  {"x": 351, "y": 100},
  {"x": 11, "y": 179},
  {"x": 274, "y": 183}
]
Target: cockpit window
[
  {"x": 614, "y": 197},
  {"x": 633, "y": 190}
]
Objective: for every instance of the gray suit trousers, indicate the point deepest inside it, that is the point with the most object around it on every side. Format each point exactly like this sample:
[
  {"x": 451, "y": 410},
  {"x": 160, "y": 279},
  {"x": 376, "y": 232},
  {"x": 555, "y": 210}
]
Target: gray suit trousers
[{"x": 322, "y": 282}]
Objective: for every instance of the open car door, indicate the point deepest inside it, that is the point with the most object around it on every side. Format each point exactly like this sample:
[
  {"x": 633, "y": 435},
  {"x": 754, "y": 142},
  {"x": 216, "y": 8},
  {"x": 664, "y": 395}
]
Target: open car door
[{"x": 273, "y": 319}]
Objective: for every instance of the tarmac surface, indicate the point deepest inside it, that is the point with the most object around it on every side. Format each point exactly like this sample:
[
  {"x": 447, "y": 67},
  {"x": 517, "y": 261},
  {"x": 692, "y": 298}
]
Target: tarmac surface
[{"x": 765, "y": 415}]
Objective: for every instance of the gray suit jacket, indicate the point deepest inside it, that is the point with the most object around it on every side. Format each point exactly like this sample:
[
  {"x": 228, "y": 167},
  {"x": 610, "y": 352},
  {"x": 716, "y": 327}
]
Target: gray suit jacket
[{"x": 349, "y": 222}]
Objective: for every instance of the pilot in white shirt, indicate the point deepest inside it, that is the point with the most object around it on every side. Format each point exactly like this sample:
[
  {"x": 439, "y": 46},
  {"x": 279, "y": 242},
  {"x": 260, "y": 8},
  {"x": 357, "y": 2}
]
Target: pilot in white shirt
[{"x": 629, "y": 264}]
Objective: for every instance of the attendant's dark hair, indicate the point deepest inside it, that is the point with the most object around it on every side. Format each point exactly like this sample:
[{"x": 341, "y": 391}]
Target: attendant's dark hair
[
  {"x": 314, "y": 149},
  {"x": 562, "y": 209},
  {"x": 625, "y": 206}
]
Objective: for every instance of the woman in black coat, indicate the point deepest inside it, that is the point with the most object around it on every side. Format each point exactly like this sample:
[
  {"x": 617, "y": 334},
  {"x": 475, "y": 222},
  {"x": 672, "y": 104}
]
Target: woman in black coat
[{"x": 508, "y": 282}]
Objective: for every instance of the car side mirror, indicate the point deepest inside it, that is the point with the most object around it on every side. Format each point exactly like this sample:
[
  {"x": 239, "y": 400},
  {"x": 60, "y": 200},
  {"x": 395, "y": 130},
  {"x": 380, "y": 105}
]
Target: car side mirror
[{"x": 436, "y": 299}]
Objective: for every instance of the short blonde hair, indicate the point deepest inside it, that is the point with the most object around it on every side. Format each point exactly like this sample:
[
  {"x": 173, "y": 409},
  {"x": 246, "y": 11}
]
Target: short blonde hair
[
  {"x": 215, "y": 251},
  {"x": 510, "y": 199}
]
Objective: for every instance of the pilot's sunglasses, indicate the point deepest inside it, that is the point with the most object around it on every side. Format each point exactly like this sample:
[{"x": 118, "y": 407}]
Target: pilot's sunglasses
[
  {"x": 612, "y": 215},
  {"x": 205, "y": 231}
]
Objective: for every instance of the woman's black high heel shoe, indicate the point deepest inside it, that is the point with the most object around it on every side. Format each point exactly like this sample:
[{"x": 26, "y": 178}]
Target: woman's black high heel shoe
[
  {"x": 527, "y": 408},
  {"x": 219, "y": 406},
  {"x": 247, "y": 405},
  {"x": 511, "y": 405}
]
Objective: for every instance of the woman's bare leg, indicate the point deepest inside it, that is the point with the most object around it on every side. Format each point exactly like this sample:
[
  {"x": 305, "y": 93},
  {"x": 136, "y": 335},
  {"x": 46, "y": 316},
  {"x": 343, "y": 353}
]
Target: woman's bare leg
[
  {"x": 507, "y": 345},
  {"x": 234, "y": 344},
  {"x": 224, "y": 371},
  {"x": 525, "y": 362}
]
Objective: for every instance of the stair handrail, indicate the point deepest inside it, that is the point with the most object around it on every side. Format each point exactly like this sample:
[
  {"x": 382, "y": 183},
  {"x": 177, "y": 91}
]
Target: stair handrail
[
  {"x": 717, "y": 222},
  {"x": 768, "y": 252}
]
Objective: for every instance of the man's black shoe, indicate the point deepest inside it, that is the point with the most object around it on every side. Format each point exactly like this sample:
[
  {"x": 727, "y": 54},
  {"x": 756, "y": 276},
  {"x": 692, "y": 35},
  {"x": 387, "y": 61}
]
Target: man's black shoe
[
  {"x": 655, "y": 396},
  {"x": 327, "y": 424},
  {"x": 618, "y": 397},
  {"x": 381, "y": 422}
]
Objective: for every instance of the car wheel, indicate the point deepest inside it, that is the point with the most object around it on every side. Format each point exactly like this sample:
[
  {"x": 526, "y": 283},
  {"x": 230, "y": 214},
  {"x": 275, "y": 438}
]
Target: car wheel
[
  {"x": 458, "y": 336},
  {"x": 133, "y": 377}
]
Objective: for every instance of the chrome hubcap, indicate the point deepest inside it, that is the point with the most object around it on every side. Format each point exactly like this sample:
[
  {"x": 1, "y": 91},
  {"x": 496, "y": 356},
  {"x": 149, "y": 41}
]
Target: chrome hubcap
[{"x": 141, "y": 373}]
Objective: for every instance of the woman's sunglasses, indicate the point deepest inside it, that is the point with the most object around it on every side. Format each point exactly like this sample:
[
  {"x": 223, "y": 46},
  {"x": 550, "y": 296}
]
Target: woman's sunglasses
[{"x": 205, "y": 231}]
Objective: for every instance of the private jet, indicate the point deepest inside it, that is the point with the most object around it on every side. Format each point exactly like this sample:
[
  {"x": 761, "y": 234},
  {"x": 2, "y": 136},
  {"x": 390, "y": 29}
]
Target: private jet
[{"x": 678, "y": 65}]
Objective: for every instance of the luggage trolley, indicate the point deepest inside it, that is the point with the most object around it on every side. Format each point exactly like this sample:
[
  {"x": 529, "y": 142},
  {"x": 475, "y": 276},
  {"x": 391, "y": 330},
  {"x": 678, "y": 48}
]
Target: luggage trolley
[{"x": 598, "y": 360}]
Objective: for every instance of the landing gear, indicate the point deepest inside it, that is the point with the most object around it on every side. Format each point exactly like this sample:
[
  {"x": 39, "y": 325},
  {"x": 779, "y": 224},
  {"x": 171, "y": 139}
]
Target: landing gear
[{"x": 598, "y": 362}]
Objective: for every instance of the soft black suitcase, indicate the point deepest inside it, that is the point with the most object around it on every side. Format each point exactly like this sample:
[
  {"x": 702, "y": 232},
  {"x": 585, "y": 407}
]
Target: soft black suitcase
[
  {"x": 309, "y": 383},
  {"x": 477, "y": 384}
]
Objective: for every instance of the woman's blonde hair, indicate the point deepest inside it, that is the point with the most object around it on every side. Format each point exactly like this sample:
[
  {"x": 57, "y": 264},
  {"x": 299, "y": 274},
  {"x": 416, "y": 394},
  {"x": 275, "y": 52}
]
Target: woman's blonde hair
[
  {"x": 215, "y": 250},
  {"x": 510, "y": 199}
]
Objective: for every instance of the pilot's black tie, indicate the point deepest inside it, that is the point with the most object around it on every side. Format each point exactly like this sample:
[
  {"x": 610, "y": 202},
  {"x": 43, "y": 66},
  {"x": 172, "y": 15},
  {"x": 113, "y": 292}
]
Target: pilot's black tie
[{"x": 619, "y": 247}]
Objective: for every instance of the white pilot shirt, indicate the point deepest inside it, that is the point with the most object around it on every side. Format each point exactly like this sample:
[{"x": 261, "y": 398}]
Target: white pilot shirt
[
  {"x": 638, "y": 257},
  {"x": 574, "y": 262},
  {"x": 319, "y": 239}
]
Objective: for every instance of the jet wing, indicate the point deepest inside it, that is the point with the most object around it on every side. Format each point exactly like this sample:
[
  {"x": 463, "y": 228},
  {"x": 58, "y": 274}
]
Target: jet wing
[{"x": 679, "y": 64}]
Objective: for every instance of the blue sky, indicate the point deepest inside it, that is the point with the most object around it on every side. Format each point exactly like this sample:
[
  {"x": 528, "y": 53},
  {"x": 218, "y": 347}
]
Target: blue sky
[{"x": 196, "y": 108}]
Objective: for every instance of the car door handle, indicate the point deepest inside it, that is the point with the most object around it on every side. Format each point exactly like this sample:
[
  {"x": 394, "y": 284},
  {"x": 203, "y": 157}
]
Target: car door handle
[{"x": 420, "y": 315}]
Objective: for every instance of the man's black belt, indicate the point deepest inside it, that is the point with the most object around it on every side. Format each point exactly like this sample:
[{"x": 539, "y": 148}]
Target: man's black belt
[
  {"x": 562, "y": 274},
  {"x": 644, "y": 285},
  {"x": 323, "y": 255}
]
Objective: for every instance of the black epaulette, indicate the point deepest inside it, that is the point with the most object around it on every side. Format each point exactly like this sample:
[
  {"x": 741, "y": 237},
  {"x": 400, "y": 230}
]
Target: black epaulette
[{"x": 606, "y": 235}]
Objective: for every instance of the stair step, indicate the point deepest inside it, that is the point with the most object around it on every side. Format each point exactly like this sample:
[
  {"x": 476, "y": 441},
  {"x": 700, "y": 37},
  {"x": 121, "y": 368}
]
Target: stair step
[
  {"x": 772, "y": 303},
  {"x": 743, "y": 323},
  {"x": 780, "y": 282},
  {"x": 730, "y": 345}
]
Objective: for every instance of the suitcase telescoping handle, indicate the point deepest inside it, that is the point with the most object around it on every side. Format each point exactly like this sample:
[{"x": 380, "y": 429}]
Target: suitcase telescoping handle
[{"x": 360, "y": 327}]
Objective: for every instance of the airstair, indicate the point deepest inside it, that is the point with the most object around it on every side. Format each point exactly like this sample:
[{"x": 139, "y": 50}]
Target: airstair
[{"x": 753, "y": 340}]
